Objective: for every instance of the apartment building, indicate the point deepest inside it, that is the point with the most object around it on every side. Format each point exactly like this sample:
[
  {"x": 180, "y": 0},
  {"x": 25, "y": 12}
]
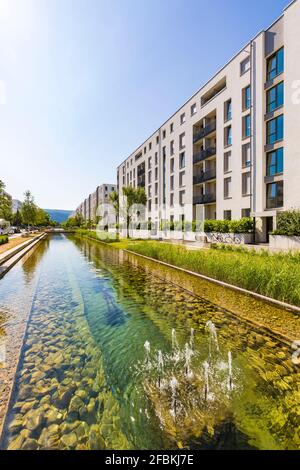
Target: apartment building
[
  {"x": 232, "y": 150},
  {"x": 88, "y": 208}
]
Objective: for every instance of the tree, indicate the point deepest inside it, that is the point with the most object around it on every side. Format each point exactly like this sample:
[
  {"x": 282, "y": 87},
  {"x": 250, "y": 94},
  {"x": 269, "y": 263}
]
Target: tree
[
  {"x": 43, "y": 219},
  {"x": 114, "y": 199},
  {"x": 133, "y": 196},
  {"x": 29, "y": 209},
  {"x": 5, "y": 204},
  {"x": 17, "y": 218}
]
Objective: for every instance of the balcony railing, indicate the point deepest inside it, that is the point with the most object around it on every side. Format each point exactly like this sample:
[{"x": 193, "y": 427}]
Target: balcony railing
[
  {"x": 205, "y": 176},
  {"x": 211, "y": 127},
  {"x": 208, "y": 198},
  {"x": 200, "y": 156}
]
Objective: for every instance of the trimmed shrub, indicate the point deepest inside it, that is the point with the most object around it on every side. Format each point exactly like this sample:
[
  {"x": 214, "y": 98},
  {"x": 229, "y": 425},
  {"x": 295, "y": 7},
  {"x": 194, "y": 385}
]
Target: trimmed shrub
[
  {"x": 288, "y": 223},
  {"x": 3, "y": 239},
  {"x": 244, "y": 225}
]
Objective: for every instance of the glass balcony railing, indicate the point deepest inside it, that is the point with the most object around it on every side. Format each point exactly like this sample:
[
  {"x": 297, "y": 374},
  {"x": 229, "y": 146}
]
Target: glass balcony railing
[
  {"x": 211, "y": 127},
  {"x": 208, "y": 198},
  {"x": 200, "y": 156},
  {"x": 205, "y": 176}
]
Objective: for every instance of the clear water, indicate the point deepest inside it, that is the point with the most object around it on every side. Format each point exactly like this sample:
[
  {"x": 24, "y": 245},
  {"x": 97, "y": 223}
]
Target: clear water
[{"x": 115, "y": 357}]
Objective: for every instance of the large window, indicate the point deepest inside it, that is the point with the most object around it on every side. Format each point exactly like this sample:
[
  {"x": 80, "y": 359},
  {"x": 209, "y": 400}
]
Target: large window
[
  {"x": 227, "y": 136},
  {"x": 275, "y": 130},
  {"x": 227, "y": 188},
  {"x": 227, "y": 110},
  {"x": 275, "y": 195},
  {"x": 275, "y": 162},
  {"x": 246, "y": 184},
  {"x": 275, "y": 97},
  {"x": 247, "y": 126},
  {"x": 182, "y": 160},
  {"x": 246, "y": 155},
  {"x": 275, "y": 64},
  {"x": 246, "y": 98}
]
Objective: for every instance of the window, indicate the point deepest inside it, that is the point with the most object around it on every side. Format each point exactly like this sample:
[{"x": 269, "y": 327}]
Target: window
[
  {"x": 275, "y": 162},
  {"x": 181, "y": 198},
  {"x": 149, "y": 191},
  {"x": 246, "y": 155},
  {"x": 164, "y": 134},
  {"x": 227, "y": 162},
  {"x": 227, "y": 136},
  {"x": 275, "y": 195},
  {"x": 182, "y": 179},
  {"x": 246, "y": 98},
  {"x": 182, "y": 141},
  {"x": 145, "y": 150},
  {"x": 172, "y": 147},
  {"x": 156, "y": 189},
  {"x": 150, "y": 145},
  {"x": 275, "y": 64},
  {"x": 157, "y": 139},
  {"x": 164, "y": 151},
  {"x": 182, "y": 118},
  {"x": 275, "y": 130},
  {"x": 182, "y": 160},
  {"x": 172, "y": 165},
  {"x": 227, "y": 215},
  {"x": 172, "y": 183},
  {"x": 134, "y": 172},
  {"x": 149, "y": 162},
  {"x": 275, "y": 97},
  {"x": 245, "y": 65},
  {"x": 149, "y": 176},
  {"x": 156, "y": 158},
  {"x": 156, "y": 173},
  {"x": 227, "y": 188},
  {"x": 246, "y": 184},
  {"x": 171, "y": 127},
  {"x": 246, "y": 213},
  {"x": 247, "y": 126},
  {"x": 227, "y": 111},
  {"x": 172, "y": 200},
  {"x": 193, "y": 109},
  {"x": 149, "y": 205}
]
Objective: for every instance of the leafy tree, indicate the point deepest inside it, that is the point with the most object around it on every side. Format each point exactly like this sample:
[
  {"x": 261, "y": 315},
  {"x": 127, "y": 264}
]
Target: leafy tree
[
  {"x": 133, "y": 196},
  {"x": 5, "y": 204},
  {"x": 29, "y": 209},
  {"x": 43, "y": 219},
  {"x": 114, "y": 199},
  {"x": 17, "y": 218}
]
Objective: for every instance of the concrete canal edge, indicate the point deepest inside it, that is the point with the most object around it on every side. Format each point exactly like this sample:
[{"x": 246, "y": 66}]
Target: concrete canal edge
[
  {"x": 9, "y": 259},
  {"x": 15, "y": 256}
]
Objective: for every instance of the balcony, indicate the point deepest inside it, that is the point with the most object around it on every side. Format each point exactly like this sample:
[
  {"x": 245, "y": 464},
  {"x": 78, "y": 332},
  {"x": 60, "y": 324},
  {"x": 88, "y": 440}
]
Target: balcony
[
  {"x": 208, "y": 198},
  {"x": 205, "y": 176},
  {"x": 204, "y": 154},
  {"x": 211, "y": 127}
]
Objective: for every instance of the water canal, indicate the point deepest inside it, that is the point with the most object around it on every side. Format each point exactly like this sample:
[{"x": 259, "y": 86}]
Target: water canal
[{"x": 116, "y": 357}]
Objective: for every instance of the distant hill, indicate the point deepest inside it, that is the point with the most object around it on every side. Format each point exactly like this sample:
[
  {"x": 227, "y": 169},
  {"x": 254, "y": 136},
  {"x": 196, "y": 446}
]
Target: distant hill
[{"x": 58, "y": 216}]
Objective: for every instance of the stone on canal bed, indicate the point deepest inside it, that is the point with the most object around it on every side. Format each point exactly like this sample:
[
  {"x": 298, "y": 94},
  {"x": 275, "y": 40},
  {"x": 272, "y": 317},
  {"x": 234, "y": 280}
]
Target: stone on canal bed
[{"x": 69, "y": 440}]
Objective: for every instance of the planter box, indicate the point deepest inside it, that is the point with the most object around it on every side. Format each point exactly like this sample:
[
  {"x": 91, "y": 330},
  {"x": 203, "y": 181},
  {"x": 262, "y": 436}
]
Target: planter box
[
  {"x": 284, "y": 242},
  {"x": 230, "y": 238}
]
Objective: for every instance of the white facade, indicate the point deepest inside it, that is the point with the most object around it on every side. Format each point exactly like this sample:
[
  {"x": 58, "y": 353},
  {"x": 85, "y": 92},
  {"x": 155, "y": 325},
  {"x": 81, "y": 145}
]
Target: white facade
[
  {"x": 228, "y": 152},
  {"x": 88, "y": 208}
]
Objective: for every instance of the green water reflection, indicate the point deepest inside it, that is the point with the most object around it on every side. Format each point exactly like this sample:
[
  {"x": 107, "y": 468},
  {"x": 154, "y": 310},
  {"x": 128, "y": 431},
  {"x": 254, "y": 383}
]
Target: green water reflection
[{"x": 84, "y": 381}]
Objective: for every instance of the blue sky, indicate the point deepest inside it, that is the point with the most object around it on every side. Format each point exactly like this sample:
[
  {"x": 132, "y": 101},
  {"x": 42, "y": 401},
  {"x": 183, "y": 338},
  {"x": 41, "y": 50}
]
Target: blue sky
[{"x": 84, "y": 82}]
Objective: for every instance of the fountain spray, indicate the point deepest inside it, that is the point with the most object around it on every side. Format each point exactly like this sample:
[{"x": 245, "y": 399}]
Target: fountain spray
[
  {"x": 206, "y": 380},
  {"x": 173, "y": 385},
  {"x": 160, "y": 366},
  {"x": 230, "y": 369}
]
